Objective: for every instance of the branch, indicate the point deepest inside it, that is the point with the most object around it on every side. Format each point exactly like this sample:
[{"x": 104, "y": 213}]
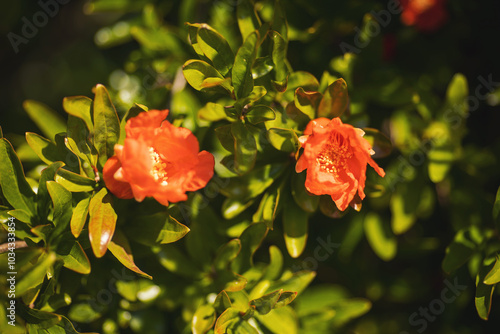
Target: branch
[{"x": 17, "y": 245}]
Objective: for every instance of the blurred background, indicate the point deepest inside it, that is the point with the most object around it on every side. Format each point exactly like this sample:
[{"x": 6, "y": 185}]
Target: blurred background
[{"x": 397, "y": 82}]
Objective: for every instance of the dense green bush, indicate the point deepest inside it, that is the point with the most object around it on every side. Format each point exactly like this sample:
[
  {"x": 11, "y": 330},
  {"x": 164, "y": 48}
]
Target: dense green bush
[{"x": 254, "y": 250}]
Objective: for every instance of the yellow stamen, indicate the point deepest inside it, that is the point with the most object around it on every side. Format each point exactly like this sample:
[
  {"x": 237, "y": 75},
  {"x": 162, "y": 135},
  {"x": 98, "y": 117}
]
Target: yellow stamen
[
  {"x": 334, "y": 155},
  {"x": 158, "y": 170}
]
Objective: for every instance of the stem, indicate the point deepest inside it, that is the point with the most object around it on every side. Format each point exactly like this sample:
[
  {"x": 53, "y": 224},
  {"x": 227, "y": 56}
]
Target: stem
[{"x": 18, "y": 244}]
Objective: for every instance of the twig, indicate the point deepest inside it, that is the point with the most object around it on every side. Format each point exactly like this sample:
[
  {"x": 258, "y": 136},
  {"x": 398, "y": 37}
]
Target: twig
[{"x": 17, "y": 244}]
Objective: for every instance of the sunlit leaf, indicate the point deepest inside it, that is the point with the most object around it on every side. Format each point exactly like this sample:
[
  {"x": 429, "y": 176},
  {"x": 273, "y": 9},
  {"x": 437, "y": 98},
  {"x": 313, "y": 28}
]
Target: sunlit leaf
[{"x": 102, "y": 221}]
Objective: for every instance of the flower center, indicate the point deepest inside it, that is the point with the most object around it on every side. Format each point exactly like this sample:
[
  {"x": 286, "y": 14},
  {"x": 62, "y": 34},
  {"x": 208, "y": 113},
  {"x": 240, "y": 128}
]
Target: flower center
[
  {"x": 158, "y": 170},
  {"x": 334, "y": 155}
]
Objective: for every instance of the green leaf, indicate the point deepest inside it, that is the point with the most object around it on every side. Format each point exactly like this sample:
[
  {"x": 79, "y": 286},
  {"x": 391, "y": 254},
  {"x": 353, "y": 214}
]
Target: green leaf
[
  {"x": 73, "y": 255},
  {"x": 380, "y": 238},
  {"x": 380, "y": 143},
  {"x": 248, "y": 21},
  {"x": 262, "y": 66},
  {"x": 305, "y": 200},
  {"x": 106, "y": 124},
  {"x": 268, "y": 207},
  {"x": 202, "y": 76},
  {"x": 484, "y": 292},
  {"x": 298, "y": 282},
  {"x": 335, "y": 100},
  {"x": 193, "y": 39},
  {"x": 245, "y": 149},
  {"x": 230, "y": 322},
  {"x": 15, "y": 188},
  {"x": 102, "y": 222},
  {"x": 215, "y": 48},
  {"x": 132, "y": 112},
  {"x": 295, "y": 229},
  {"x": 282, "y": 320},
  {"x": 21, "y": 215},
  {"x": 212, "y": 112},
  {"x": 222, "y": 302},
  {"x": 225, "y": 137},
  {"x": 242, "y": 69},
  {"x": 120, "y": 248},
  {"x": 251, "y": 239},
  {"x": 232, "y": 207},
  {"x": 403, "y": 209},
  {"x": 42, "y": 197},
  {"x": 172, "y": 231},
  {"x": 47, "y": 120},
  {"x": 463, "y": 246},
  {"x": 265, "y": 304},
  {"x": 259, "y": 113},
  {"x": 36, "y": 275},
  {"x": 63, "y": 210},
  {"x": 493, "y": 276},
  {"x": 328, "y": 207},
  {"x": 307, "y": 102},
  {"x": 81, "y": 107},
  {"x": 279, "y": 23},
  {"x": 252, "y": 184},
  {"x": 281, "y": 72},
  {"x": 74, "y": 182},
  {"x": 227, "y": 254},
  {"x": 203, "y": 319},
  {"x": 46, "y": 150},
  {"x": 79, "y": 217},
  {"x": 285, "y": 140},
  {"x": 285, "y": 298},
  {"x": 273, "y": 270}
]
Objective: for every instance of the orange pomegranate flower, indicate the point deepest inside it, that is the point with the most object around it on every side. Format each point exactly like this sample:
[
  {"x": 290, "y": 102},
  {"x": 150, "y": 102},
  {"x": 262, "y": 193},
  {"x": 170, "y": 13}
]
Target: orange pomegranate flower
[
  {"x": 335, "y": 156},
  {"x": 426, "y": 15},
  {"x": 157, "y": 160}
]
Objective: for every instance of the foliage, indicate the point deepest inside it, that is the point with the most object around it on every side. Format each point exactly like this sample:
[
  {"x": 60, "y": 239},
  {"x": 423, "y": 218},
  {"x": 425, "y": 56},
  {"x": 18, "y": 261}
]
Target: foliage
[{"x": 253, "y": 251}]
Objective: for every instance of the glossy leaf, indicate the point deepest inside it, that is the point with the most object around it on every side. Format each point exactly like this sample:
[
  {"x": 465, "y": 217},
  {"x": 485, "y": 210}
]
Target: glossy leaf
[
  {"x": 493, "y": 276},
  {"x": 242, "y": 69},
  {"x": 212, "y": 112},
  {"x": 273, "y": 270},
  {"x": 245, "y": 150},
  {"x": 120, "y": 248},
  {"x": 15, "y": 188},
  {"x": 280, "y": 47},
  {"x": 74, "y": 182},
  {"x": 260, "y": 113},
  {"x": 222, "y": 302},
  {"x": 285, "y": 140},
  {"x": 266, "y": 303},
  {"x": 297, "y": 282},
  {"x": 63, "y": 210},
  {"x": 295, "y": 229},
  {"x": 282, "y": 320},
  {"x": 106, "y": 124},
  {"x": 81, "y": 107},
  {"x": 42, "y": 197},
  {"x": 73, "y": 255},
  {"x": 307, "y": 102},
  {"x": 203, "y": 319},
  {"x": 250, "y": 239},
  {"x": 227, "y": 254},
  {"x": 268, "y": 207},
  {"x": 79, "y": 217},
  {"x": 44, "y": 148},
  {"x": 307, "y": 201},
  {"x": 201, "y": 75},
  {"x": 102, "y": 221},
  {"x": 47, "y": 120},
  {"x": 335, "y": 100},
  {"x": 232, "y": 207},
  {"x": 215, "y": 47},
  {"x": 484, "y": 292}
]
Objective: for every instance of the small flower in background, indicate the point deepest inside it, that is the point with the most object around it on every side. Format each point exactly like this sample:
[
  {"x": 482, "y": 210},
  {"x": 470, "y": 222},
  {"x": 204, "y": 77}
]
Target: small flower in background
[
  {"x": 335, "y": 156},
  {"x": 426, "y": 15},
  {"x": 157, "y": 160}
]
